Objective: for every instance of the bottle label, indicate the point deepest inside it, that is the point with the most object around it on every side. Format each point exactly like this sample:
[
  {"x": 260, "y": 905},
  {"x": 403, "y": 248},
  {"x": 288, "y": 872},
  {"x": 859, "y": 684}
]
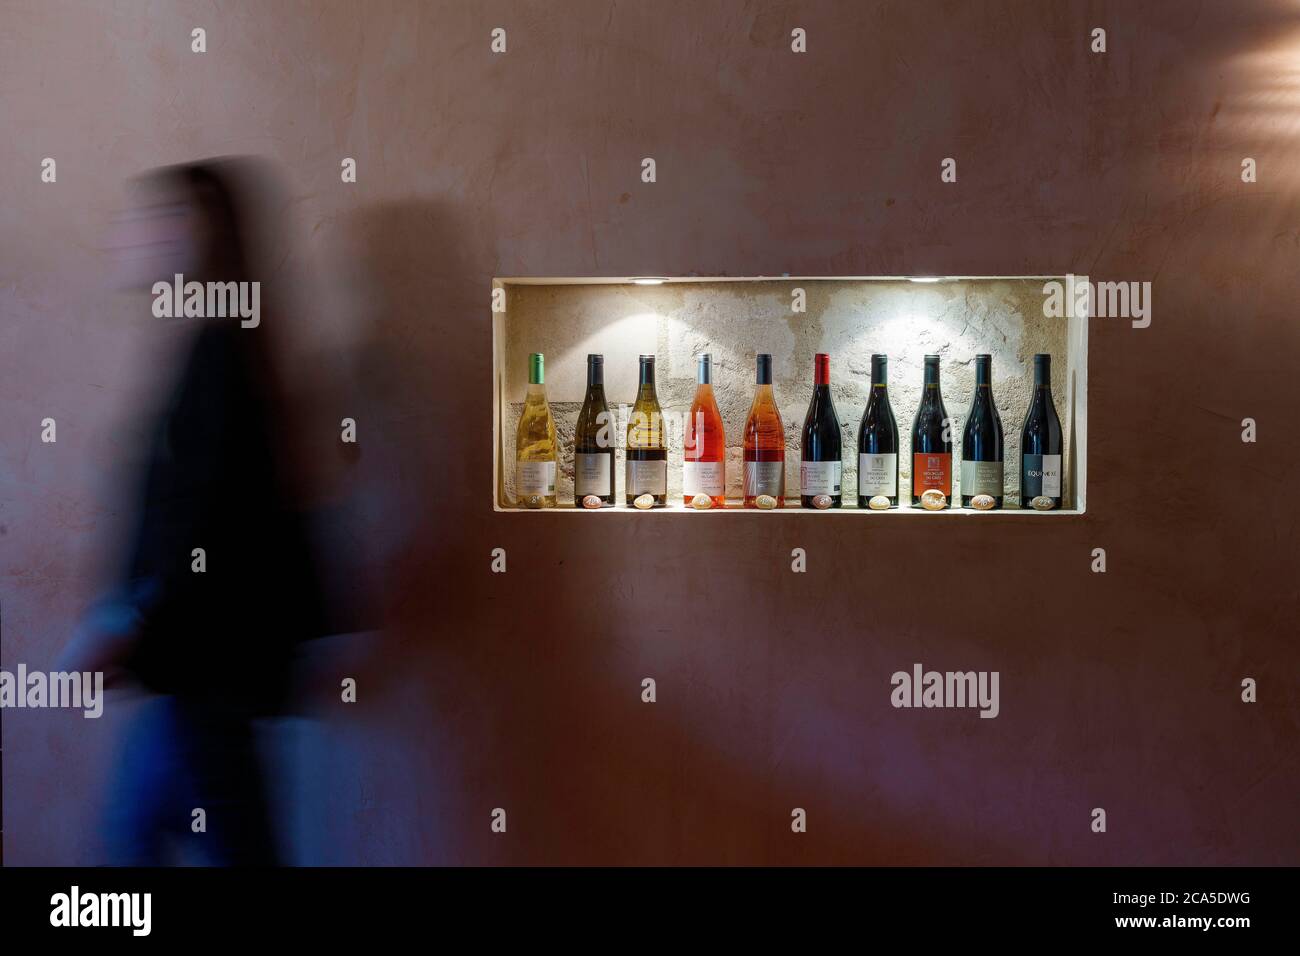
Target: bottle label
[
  {"x": 878, "y": 475},
  {"x": 591, "y": 474},
  {"x": 981, "y": 478},
  {"x": 1041, "y": 477},
  {"x": 932, "y": 471},
  {"x": 534, "y": 478},
  {"x": 647, "y": 478},
  {"x": 764, "y": 478},
  {"x": 703, "y": 478},
  {"x": 819, "y": 477}
]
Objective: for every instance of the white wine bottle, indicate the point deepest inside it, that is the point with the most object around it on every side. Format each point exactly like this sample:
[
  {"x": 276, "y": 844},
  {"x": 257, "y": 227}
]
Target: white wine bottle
[
  {"x": 593, "y": 443},
  {"x": 535, "y": 443},
  {"x": 647, "y": 454}
]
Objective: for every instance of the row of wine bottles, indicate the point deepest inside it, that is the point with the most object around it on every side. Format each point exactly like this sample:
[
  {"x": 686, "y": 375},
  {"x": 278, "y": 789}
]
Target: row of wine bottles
[{"x": 821, "y": 464}]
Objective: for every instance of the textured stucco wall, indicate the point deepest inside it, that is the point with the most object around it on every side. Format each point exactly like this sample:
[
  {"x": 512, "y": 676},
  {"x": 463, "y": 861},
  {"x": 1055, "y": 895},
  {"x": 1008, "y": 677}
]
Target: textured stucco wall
[
  {"x": 733, "y": 321},
  {"x": 522, "y": 690}
]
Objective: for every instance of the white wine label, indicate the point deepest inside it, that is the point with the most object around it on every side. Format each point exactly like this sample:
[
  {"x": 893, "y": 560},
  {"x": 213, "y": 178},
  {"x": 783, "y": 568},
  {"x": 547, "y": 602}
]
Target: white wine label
[
  {"x": 535, "y": 478},
  {"x": 1042, "y": 477},
  {"x": 764, "y": 478},
  {"x": 703, "y": 478},
  {"x": 819, "y": 477},
  {"x": 591, "y": 474},
  {"x": 877, "y": 475},
  {"x": 647, "y": 478},
  {"x": 981, "y": 478}
]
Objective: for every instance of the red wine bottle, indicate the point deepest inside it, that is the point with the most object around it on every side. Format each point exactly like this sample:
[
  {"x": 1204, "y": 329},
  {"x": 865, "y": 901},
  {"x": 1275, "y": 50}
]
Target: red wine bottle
[
  {"x": 821, "y": 464},
  {"x": 878, "y": 445},
  {"x": 1041, "y": 445},
  {"x": 981, "y": 444},
  {"x": 931, "y": 445}
]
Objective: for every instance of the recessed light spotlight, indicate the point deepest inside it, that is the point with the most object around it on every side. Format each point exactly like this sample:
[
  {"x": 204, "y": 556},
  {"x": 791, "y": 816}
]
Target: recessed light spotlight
[
  {"x": 923, "y": 279},
  {"x": 649, "y": 280}
]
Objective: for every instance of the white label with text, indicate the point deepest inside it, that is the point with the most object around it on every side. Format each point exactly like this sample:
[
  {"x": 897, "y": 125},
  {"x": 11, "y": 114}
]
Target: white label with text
[
  {"x": 819, "y": 477},
  {"x": 591, "y": 474},
  {"x": 877, "y": 475},
  {"x": 535, "y": 478},
  {"x": 702, "y": 478}
]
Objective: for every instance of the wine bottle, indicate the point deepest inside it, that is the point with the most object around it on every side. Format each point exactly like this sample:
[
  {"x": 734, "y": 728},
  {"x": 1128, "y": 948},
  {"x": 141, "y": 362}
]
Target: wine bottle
[
  {"x": 593, "y": 443},
  {"x": 878, "y": 445},
  {"x": 535, "y": 443},
  {"x": 981, "y": 444},
  {"x": 647, "y": 454},
  {"x": 931, "y": 445},
  {"x": 704, "y": 444},
  {"x": 764, "y": 444},
  {"x": 1041, "y": 444},
  {"x": 820, "y": 461}
]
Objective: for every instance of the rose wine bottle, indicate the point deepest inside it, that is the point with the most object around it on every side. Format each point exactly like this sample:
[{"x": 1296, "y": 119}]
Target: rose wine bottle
[
  {"x": 764, "y": 445},
  {"x": 981, "y": 444},
  {"x": 1041, "y": 445},
  {"x": 821, "y": 464},
  {"x": 593, "y": 443},
  {"x": 647, "y": 455},
  {"x": 931, "y": 445},
  {"x": 535, "y": 443},
  {"x": 704, "y": 444},
  {"x": 878, "y": 445}
]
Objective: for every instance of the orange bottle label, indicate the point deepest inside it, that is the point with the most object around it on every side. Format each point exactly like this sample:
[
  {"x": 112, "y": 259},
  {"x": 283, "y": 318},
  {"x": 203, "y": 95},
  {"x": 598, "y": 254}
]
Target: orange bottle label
[{"x": 932, "y": 471}]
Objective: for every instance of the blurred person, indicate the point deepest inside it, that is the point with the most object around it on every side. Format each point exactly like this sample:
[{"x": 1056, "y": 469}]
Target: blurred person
[{"x": 216, "y": 646}]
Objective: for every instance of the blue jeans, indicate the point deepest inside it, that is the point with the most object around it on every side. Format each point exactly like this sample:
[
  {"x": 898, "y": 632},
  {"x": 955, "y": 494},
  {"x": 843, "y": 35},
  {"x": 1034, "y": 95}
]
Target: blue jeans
[{"x": 180, "y": 755}]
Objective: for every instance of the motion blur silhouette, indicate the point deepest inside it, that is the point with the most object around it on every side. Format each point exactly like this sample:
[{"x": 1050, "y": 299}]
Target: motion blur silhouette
[{"x": 212, "y": 634}]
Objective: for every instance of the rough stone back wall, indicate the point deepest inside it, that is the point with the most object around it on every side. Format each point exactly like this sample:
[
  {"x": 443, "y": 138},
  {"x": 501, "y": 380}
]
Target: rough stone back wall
[{"x": 733, "y": 321}]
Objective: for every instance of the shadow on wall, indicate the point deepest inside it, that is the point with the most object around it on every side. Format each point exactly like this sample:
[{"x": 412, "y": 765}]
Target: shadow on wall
[{"x": 374, "y": 773}]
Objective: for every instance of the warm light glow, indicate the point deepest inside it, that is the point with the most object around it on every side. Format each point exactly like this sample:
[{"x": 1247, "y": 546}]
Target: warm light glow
[
  {"x": 923, "y": 279},
  {"x": 648, "y": 281}
]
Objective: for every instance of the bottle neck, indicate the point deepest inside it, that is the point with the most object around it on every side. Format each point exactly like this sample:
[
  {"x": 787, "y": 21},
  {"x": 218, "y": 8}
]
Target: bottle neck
[
  {"x": 595, "y": 375},
  {"x": 822, "y": 370},
  {"x": 1042, "y": 372}
]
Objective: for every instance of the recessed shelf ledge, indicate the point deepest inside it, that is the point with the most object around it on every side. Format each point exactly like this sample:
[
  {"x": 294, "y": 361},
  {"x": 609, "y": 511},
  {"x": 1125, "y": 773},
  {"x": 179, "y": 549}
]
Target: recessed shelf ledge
[
  {"x": 787, "y": 510},
  {"x": 734, "y": 317}
]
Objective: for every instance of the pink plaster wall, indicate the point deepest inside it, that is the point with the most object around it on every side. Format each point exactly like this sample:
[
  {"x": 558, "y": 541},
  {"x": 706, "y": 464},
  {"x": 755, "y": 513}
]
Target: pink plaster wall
[{"x": 522, "y": 690}]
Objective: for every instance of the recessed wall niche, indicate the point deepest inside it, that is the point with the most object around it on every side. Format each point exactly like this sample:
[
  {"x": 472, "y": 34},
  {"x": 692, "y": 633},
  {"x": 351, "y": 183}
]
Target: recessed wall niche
[{"x": 733, "y": 319}]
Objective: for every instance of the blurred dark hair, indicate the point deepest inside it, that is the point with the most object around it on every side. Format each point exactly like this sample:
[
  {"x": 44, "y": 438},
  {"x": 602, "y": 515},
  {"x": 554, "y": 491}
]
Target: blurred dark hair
[{"x": 236, "y": 198}]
